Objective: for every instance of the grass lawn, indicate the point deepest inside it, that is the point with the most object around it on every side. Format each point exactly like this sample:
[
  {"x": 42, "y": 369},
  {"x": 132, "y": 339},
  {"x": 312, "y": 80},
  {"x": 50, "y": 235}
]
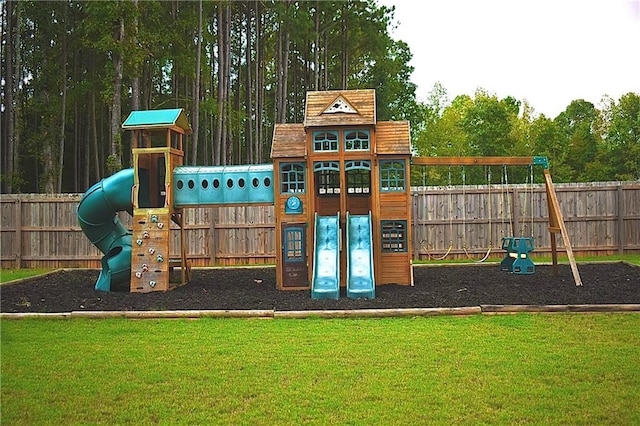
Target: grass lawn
[
  {"x": 526, "y": 368},
  {"x": 7, "y": 275}
]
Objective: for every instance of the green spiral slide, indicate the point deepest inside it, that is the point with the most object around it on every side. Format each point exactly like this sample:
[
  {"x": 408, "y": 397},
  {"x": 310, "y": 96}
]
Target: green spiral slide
[{"x": 97, "y": 216}]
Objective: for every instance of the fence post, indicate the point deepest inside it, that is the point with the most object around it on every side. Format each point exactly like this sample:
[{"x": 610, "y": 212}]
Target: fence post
[
  {"x": 414, "y": 232},
  {"x": 17, "y": 242},
  {"x": 213, "y": 236},
  {"x": 621, "y": 214}
]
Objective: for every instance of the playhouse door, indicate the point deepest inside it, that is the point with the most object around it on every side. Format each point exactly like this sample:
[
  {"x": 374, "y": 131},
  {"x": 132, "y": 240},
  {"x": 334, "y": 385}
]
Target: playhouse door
[{"x": 294, "y": 256}]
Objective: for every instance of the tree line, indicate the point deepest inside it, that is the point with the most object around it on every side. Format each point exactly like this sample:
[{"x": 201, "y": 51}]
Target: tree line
[
  {"x": 583, "y": 143},
  {"x": 73, "y": 70}
]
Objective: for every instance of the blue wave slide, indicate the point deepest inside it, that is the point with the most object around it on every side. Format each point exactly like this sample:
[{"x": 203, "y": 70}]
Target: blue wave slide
[
  {"x": 97, "y": 216},
  {"x": 360, "y": 276},
  {"x": 325, "y": 283}
]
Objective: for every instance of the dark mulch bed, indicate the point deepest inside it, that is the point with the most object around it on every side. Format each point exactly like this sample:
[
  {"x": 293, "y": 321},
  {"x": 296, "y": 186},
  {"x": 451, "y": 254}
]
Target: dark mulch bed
[{"x": 254, "y": 288}]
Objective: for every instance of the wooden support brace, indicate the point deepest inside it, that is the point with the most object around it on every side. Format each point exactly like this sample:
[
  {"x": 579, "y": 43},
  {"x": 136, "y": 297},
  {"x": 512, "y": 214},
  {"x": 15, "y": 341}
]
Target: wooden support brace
[{"x": 556, "y": 221}]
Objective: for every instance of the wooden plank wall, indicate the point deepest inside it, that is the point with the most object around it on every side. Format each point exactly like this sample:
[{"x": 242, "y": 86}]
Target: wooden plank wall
[{"x": 602, "y": 218}]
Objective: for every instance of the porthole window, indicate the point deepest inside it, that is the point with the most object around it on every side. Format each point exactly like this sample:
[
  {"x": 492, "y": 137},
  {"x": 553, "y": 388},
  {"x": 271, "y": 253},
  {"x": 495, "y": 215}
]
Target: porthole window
[
  {"x": 229, "y": 183},
  {"x": 205, "y": 184},
  {"x": 241, "y": 182},
  {"x": 267, "y": 182},
  {"x": 179, "y": 184},
  {"x": 255, "y": 182},
  {"x": 191, "y": 184},
  {"x": 216, "y": 183}
]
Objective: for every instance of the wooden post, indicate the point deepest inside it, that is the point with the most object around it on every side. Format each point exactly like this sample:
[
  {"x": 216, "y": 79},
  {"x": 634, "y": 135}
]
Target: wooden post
[
  {"x": 554, "y": 253},
  {"x": 17, "y": 223},
  {"x": 556, "y": 220},
  {"x": 414, "y": 234},
  {"x": 213, "y": 246},
  {"x": 621, "y": 214}
]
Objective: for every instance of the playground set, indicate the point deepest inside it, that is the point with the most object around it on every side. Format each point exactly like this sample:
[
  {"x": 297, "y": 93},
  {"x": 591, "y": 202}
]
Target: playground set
[{"x": 339, "y": 183}]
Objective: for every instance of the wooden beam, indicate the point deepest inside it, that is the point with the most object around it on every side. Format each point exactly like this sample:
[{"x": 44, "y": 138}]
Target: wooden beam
[
  {"x": 555, "y": 215},
  {"x": 472, "y": 161},
  {"x": 17, "y": 242}
]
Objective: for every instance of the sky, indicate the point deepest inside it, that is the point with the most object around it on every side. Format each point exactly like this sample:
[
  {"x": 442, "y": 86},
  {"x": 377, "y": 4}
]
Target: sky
[{"x": 547, "y": 52}]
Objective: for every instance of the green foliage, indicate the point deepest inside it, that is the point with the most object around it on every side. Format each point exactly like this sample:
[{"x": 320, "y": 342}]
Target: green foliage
[
  {"x": 582, "y": 143},
  {"x": 326, "y": 39},
  {"x": 113, "y": 164},
  {"x": 623, "y": 137}
]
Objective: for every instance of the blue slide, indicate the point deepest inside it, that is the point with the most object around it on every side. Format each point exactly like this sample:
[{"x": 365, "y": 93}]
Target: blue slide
[
  {"x": 97, "y": 216},
  {"x": 360, "y": 277},
  {"x": 326, "y": 261}
]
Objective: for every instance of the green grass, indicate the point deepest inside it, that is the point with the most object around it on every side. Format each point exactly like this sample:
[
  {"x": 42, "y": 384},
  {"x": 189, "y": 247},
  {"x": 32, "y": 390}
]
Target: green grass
[
  {"x": 7, "y": 275},
  {"x": 535, "y": 369}
]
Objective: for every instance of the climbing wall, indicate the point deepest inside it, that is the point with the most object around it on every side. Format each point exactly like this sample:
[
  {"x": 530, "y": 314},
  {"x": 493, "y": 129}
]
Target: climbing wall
[{"x": 150, "y": 250}]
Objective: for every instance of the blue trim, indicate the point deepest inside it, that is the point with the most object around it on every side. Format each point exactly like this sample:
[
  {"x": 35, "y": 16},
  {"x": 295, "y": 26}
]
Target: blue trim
[
  {"x": 361, "y": 137},
  {"x": 393, "y": 176},
  {"x": 393, "y": 239},
  {"x": 323, "y": 143},
  {"x": 293, "y": 180}
]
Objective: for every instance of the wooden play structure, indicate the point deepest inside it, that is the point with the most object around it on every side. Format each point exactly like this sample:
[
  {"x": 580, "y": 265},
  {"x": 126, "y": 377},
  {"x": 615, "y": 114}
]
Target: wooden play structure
[
  {"x": 342, "y": 163},
  {"x": 339, "y": 182},
  {"x": 158, "y": 149}
]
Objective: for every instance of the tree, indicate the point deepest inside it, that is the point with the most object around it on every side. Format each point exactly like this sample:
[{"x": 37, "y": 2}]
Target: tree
[
  {"x": 577, "y": 124},
  {"x": 623, "y": 137}
]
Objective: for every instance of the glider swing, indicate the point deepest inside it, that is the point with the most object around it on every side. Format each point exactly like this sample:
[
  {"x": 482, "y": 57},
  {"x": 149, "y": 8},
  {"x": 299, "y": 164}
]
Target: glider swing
[
  {"x": 556, "y": 221},
  {"x": 517, "y": 258}
]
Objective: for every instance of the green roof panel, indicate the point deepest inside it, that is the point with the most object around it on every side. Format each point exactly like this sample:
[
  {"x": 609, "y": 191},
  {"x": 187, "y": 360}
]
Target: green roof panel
[{"x": 158, "y": 118}]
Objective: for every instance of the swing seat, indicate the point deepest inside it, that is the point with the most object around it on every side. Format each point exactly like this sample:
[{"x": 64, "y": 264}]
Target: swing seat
[{"x": 517, "y": 259}]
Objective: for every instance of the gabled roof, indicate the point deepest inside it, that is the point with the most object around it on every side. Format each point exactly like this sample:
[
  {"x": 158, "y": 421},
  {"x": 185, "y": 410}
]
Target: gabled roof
[
  {"x": 157, "y": 119},
  {"x": 393, "y": 137},
  {"x": 289, "y": 140},
  {"x": 340, "y": 107}
]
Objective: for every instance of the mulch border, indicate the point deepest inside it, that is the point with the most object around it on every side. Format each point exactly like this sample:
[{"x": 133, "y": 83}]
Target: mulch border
[{"x": 355, "y": 313}]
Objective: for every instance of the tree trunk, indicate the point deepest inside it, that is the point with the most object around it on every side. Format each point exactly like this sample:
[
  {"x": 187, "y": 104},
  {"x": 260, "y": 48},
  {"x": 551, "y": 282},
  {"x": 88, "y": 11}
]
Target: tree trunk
[
  {"x": 316, "y": 49},
  {"x": 114, "y": 163},
  {"x": 94, "y": 138},
  {"x": 226, "y": 134},
  {"x": 278, "y": 59},
  {"x": 10, "y": 147},
  {"x": 248, "y": 102},
  {"x": 285, "y": 78},
  {"x": 63, "y": 115},
  {"x": 135, "y": 82},
  {"x": 217, "y": 142},
  {"x": 196, "y": 92},
  {"x": 345, "y": 47},
  {"x": 259, "y": 85}
]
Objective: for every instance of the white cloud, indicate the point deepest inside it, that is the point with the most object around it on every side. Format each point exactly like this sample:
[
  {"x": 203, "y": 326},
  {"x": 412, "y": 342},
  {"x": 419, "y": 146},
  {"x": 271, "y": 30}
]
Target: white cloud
[{"x": 547, "y": 52}]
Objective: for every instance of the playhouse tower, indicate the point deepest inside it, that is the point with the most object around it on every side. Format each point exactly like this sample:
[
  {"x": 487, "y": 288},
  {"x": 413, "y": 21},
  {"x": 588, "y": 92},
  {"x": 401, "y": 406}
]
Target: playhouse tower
[
  {"x": 343, "y": 165},
  {"x": 158, "y": 138}
]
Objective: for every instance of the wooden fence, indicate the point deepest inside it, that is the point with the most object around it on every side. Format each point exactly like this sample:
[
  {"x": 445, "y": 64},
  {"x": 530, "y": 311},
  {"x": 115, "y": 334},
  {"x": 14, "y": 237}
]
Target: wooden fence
[{"x": 601, "y": 218}]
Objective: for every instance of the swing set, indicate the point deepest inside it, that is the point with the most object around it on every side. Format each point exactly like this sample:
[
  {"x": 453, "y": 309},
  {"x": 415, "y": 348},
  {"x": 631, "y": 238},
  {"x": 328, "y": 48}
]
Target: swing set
[{"x": 518, "y": 248}]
